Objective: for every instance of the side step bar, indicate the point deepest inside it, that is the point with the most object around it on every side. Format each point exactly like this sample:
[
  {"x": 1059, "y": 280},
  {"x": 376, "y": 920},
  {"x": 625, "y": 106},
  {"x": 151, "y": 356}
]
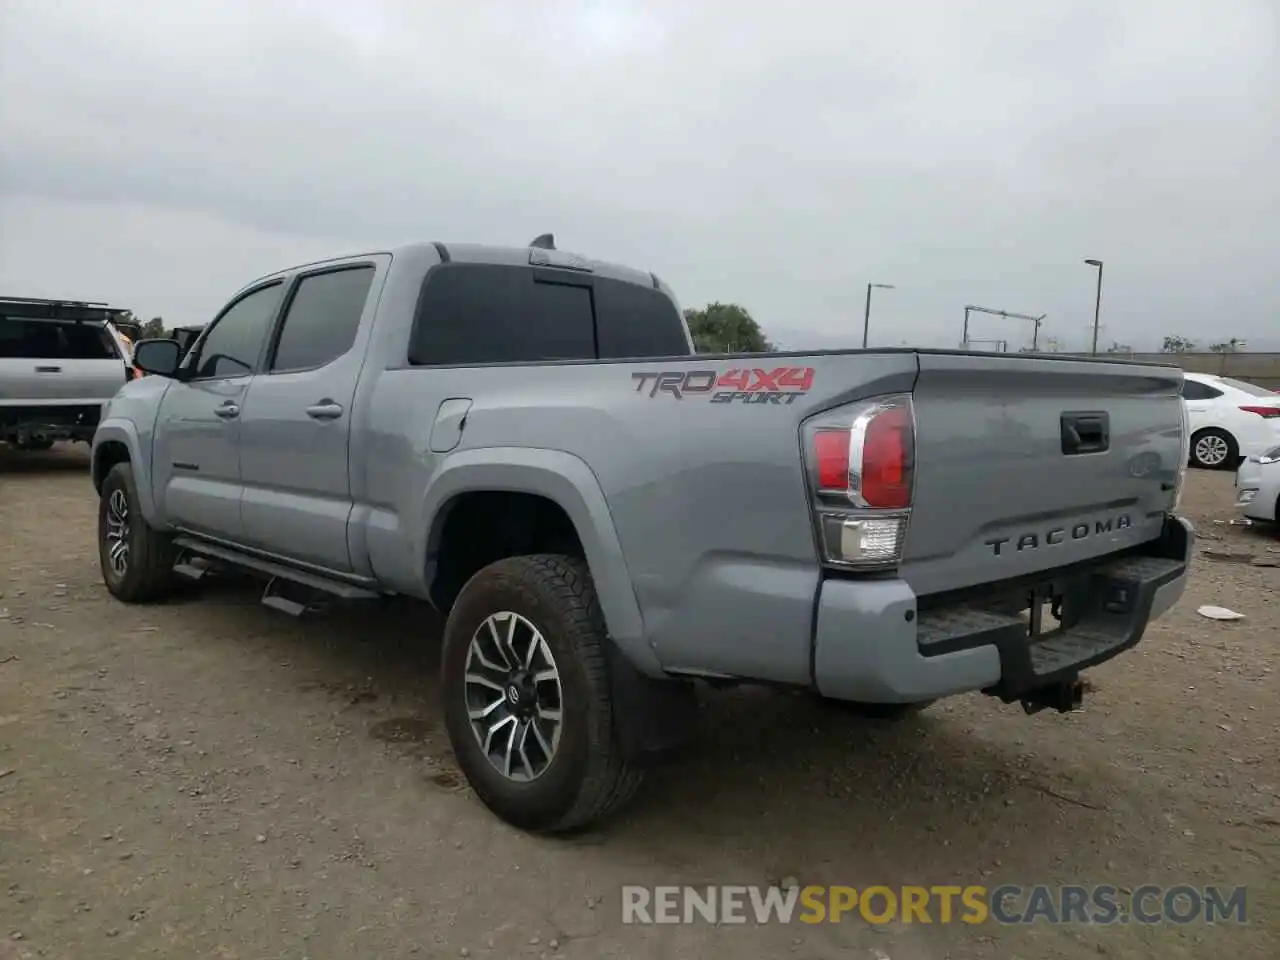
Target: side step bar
[
  {"x": 192, "y": 566},
  {"x": 277, "y": 596}
]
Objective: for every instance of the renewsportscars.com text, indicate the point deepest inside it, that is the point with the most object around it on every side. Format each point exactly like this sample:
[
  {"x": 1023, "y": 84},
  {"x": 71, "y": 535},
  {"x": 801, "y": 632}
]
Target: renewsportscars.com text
[{"x": 1101, "y": 904}]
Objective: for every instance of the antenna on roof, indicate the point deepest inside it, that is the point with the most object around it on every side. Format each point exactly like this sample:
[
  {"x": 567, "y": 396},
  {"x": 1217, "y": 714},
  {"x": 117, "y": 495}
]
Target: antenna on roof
[{"x": 545, "y": 241}]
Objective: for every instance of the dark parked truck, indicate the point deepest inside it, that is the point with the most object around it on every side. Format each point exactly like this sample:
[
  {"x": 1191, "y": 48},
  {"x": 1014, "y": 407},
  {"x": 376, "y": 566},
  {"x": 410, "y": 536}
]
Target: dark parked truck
[
  {"x": 60, "y": 361},
  {"x": 185, "y": 336},
  {"x": 525, "y": 439}
]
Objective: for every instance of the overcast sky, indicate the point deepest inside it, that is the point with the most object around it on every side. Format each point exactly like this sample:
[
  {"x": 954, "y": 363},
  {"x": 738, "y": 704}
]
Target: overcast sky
[{"x": 158, "y": 155}]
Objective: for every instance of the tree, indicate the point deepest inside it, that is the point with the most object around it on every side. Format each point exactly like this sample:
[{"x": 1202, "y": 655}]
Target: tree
[
  {"x": 1176, "y": 344},
  {"x": 153, "y": 328},
  {"x": 125, "y": 322},
  {"x": 725, "y": 328},
  {"x": 1228, "y": 346}
]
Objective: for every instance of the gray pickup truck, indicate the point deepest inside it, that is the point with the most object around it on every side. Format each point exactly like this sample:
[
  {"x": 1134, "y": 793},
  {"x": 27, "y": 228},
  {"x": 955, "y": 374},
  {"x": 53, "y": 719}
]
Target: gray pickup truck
[{"x": 525, "y": 439}]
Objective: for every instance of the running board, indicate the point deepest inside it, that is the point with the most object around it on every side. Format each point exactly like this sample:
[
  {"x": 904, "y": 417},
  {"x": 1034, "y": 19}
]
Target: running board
[
  {"x": 192, "y": 567},
  {"x": 275, "y": 596},
  {"x": 304, "y": 578}
]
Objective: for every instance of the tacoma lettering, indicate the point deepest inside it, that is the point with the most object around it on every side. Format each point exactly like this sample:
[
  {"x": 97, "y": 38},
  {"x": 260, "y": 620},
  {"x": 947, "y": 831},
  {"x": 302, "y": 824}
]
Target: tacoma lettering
[{"x": 1080, "y": 531}]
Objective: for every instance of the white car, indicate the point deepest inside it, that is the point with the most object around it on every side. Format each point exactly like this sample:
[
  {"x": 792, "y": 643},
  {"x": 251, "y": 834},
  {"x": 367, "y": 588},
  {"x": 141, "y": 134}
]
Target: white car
[
  {"x": 1229, "y": 419},
  {"x": 1258, "y": 486}
]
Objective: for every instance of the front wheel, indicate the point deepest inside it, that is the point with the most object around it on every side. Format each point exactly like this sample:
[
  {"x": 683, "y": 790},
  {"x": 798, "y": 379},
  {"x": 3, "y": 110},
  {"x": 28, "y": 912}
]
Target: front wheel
[
  {"x": 527, "y": 701},
  {"x": 1214, "y": 449},
  {"x": 137, "y": 561}
]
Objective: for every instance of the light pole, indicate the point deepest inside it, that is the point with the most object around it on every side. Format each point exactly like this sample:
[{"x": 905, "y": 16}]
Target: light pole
[
  {"x": 1035, "y": 320},
  {"x": 1097, "y": 303},
  {"x": 866, "y": 317}
]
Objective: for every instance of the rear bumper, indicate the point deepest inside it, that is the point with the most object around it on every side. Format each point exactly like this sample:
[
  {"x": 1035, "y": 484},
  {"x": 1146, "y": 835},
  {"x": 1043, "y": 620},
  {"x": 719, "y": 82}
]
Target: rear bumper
[
  {"x": 72, "y": 420},
  {"x": 875, "y": 642}
]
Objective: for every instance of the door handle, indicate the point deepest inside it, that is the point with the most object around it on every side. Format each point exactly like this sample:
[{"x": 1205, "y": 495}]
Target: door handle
[
  {"x": 228, "y": 410},
  {"x": 48, "y": 369},
  {"x": 325, "y": 410}
]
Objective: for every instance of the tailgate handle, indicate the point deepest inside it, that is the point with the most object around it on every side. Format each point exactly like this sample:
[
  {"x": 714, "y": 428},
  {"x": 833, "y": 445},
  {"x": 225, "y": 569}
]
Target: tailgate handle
[
  {"x": 1085, "y": 433},
  {"x": 48, "y": 369}
]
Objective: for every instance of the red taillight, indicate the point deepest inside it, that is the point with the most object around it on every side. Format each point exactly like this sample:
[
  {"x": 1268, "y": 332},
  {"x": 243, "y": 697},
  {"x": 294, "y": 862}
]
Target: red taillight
[
  {"x": 1267, "y": 413},
  {"x": 832, "y": 449},
  {"x": 868, "y": 457},
  {"x": 886, "y": 459},
  {"x": 862, "y": 463}
]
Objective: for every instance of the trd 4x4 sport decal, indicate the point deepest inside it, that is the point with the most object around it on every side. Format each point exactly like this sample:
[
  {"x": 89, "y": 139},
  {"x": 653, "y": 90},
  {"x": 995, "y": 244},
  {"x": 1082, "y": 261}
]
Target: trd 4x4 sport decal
[{"x": 738, "y": 385}]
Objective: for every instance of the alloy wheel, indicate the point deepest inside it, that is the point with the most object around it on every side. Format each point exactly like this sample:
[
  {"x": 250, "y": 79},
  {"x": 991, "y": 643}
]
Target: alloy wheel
[
  {"x": 513, "y": 696},
  {"x": 117, "y": 533},
  {"x": 1212, "y": 450}
]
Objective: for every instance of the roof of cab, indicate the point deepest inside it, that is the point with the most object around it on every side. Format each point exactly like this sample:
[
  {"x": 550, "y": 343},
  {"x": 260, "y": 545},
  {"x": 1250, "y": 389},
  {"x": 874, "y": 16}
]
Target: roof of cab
[{"x": 478, "y": 253}]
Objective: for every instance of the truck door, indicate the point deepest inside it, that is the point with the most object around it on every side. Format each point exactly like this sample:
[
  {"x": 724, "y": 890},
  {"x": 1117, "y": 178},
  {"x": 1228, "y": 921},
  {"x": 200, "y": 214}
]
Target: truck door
[
  {"x": 196, "y": 457},
  {"x": 296, "y": 422}
]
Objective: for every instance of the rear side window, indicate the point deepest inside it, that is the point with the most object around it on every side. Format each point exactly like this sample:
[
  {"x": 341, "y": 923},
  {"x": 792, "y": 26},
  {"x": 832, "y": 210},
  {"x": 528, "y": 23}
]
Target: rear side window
[
  {"x": 636, "y": 322},
  {"x": 476, "y": 313},
  {"x": 54, "y": 340},
  {"x": 1195, "y": 390},
  {"x": 322, "y": 318}
]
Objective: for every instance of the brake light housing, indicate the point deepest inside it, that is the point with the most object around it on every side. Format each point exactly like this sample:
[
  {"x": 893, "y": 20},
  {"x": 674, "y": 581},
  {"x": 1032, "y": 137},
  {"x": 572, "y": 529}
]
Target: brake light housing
[
  {"x": 861, "y": 468},
  {"x": 1266, "y": 413}
]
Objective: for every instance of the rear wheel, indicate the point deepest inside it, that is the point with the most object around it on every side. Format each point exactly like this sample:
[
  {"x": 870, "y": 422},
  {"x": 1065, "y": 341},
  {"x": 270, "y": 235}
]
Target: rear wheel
[
  {"x": 1214, "y": 449},
  {"x": 137, "y": 561},
  {"x": 35, "y": 443},
  {"x": 527, "y": 701}
]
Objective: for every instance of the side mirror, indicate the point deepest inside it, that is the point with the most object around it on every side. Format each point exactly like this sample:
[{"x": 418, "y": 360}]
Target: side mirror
[{"x": 159, "y": 356}]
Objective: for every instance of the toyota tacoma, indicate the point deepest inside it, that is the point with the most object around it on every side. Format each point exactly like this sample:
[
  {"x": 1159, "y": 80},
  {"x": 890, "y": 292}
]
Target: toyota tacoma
[{"x": 525, "y": 439}]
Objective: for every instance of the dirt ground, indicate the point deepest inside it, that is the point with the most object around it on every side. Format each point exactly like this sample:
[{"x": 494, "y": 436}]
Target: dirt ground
[{"x": 211, "y": 779}]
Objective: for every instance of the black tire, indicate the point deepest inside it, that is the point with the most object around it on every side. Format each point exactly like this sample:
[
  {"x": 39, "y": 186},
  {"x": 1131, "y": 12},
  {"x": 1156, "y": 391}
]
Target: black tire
[
  {"x": 1215, "y": 437},
  {"x": 148, "y": 562},
  {"x": 587, "y": 777},
  {"x": 35, "y": 444},
  {"x": 881, "y": 711}
]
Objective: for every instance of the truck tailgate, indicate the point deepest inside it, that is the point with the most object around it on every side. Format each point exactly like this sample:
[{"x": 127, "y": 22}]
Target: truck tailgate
[{"x": 1026, "y": 464}]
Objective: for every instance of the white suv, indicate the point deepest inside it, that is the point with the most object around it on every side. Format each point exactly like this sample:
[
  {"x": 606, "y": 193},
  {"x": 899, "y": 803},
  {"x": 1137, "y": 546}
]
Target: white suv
[
  {"x": 1229, "y": 419},
  {"x": 60, "y": 361}
]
